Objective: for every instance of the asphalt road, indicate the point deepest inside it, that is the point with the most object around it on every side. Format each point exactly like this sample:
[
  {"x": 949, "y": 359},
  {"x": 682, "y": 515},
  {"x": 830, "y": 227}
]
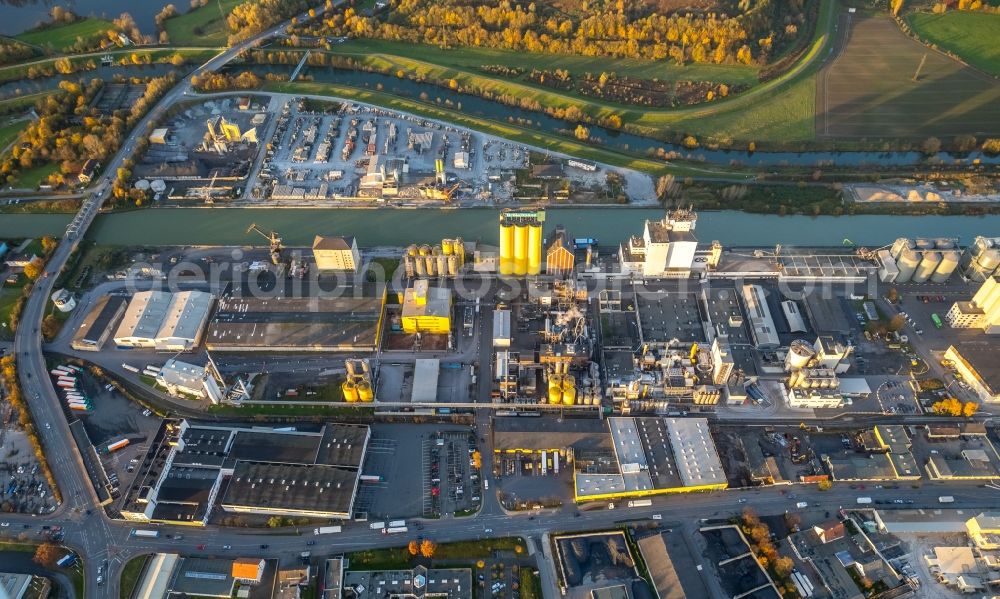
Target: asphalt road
[{"x": 94, "y": 536}]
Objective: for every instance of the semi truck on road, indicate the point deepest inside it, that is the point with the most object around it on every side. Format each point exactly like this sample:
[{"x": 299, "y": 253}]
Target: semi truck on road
[
  {"x": 864, "y": 500},
  {"x": 326, "y": 530},
  {"x": 946, "y": 499},
  {"x": 392, "y": 530},
  {"x": 640, "y": 503}
]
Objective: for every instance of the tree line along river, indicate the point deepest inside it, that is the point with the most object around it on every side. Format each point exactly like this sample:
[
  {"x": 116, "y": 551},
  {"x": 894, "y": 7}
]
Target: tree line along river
[{"x": 395, "y": 227}]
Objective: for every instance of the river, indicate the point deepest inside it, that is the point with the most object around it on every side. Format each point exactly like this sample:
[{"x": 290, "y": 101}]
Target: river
[
  {"x": 19, "y": 15},
  {"x": 227, "y": 226}
]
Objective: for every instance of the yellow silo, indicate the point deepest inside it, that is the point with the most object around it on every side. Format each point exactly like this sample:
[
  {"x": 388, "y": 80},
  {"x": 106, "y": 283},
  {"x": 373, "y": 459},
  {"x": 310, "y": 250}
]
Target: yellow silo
[
  {"x": 350, "y": 391},
  {"x": 365, "y": 392},
  {"x": 569, "y": 391},
  {"x": 506, "y": 249},
  {"x": 411, "y": 251},
  {"x": 555, "y": 388},
  {"x": 459, "y": 247},
  {"x": 521, "y": 250},
  {"x": 447, "y": 247},
  {"x": 534, "y": 249},
  {"x": 425, "y": 250}
]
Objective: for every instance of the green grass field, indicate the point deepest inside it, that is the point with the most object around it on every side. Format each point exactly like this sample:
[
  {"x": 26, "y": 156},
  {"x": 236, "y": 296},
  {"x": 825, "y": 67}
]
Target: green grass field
[
  {"x": 212, "y": 25},
  {"x": 9, "y": 295},
  {"x": 872, "y": 89},
  {"x": 61, "y": 37},
  {"x": 9, "y": 131},
  {"x": 33, "y": 177},
  {"x": 974, "y": 36}
]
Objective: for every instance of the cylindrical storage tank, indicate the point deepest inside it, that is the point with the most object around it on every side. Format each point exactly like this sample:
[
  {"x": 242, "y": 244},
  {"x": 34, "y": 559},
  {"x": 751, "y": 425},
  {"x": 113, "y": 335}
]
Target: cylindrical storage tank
[
  {"x": 521, "y": 250},
  {"x": 569, "y": 391},
  {"x": 928, "y": 264},
  {"x": 411, "y": 251},
  {"x": 985, "y": 265},
  {"x": 555, "y": 388},
  {"x": 925, "y": 244},
  {"x": 534, "y": 249},
  {"x": 425, "y": 250},
  {"x": 442, "y": 265},
  {"x": 447, "y": 247},
  {"x": 907, "y": 263},
  {"x": 350, "y": 391},
  {"x": 419, "y": 266},
  {"x": 349, "y": 366},
  {"x": 431, "y": 262},
  {"x": 899, "y": 245},
  {"x": 409, "y": 266},
  {"x": 459, "y": 247},
  {"x": 365, "y": 392},
  {"x": 949, "y": 262},
  {"x": 142, "y": 185},
  {"x": 800, "y": 352},
  {"x": 944, "y": 244},
  {"x": 453, "y": 265},
  {"x": 506, "y": 249}
]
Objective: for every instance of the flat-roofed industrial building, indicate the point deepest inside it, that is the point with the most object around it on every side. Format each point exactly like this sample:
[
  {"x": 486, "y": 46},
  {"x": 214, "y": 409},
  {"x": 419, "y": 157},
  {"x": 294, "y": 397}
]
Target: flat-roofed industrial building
[
  {"x": 255, "y": 471},
  {"x": 297, "y": 323},
  {"x": 99, "y": 323},
  {"x": 165, "y": 321}
]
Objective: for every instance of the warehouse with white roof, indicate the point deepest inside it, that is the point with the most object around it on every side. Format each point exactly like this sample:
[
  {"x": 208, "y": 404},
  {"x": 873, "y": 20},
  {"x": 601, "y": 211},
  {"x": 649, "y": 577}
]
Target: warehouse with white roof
[{"x": 165, "y": 321}]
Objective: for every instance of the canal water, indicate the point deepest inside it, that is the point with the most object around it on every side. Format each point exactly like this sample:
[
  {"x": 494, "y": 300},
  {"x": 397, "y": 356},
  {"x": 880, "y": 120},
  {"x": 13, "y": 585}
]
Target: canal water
[
  {"x": 626, "y": 142},
  {"x": 227, "y": 226},
  {"x": 22, "y": 87}
]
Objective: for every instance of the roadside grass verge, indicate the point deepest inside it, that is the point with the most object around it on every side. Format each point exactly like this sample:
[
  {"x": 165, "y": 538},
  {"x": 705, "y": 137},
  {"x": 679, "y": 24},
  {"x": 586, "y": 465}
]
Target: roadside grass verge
[
  {"x": 972, "y": 36},
  {"x": 202, "y": 26},
  {"x": 130, "y": 576}
]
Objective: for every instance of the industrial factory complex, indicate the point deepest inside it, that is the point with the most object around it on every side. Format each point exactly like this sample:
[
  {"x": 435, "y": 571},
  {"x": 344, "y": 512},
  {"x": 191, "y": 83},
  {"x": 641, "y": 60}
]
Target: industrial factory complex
[
  {"x": 610, "y": 369},
  {"x": 189, "y": 470}
]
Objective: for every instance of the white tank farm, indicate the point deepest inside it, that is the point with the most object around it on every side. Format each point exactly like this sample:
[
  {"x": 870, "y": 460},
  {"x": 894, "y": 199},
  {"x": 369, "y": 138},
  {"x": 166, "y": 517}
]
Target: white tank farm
[
  {"x": 944, "y": 244},
  {"x": 899, "y": 245},
  {"x": 142, "y": 184},
  {"x": 985, "y": 265},
  {"x": 907, "y": 263},
  {"x": 980, "y": 245},
  {"x": 928, "y": 264},
  {"x": 949, "y": 262},
  {"x": 925, "y": 244}
]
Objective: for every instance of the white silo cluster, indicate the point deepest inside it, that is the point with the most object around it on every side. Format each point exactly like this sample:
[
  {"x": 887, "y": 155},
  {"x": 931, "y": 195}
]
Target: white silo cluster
[
  {"x": 982, "y": 259},
  {"x": 919, "y": 260}
]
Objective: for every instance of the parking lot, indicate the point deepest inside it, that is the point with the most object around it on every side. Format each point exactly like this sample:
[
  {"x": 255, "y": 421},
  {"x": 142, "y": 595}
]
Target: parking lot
[
  {"x": 403, "y": 455},
  {"x": 453, "y": 484}
]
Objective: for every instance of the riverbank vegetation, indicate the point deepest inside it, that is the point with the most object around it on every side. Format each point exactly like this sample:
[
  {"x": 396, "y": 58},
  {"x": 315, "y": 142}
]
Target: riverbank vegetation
[
  {"x": 13, "y": 51},
  {"x": 66, "y": 65},
  {"x": 723, "y": 32},
  {"x": 68, "y": 32}
]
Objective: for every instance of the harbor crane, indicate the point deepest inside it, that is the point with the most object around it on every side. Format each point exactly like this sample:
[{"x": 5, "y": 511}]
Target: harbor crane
[{"x": 273, "y": 238}]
